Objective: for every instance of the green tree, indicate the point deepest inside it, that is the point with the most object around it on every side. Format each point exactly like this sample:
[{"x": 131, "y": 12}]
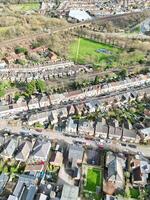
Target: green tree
[
  {"x": 2, "y": 90},
  {"x": 30, "y": 88},
  {"x": 17, "y": 96},
  {"x": 40, "y": 86},
  {"x": 123, "y": 73},
  {"x": 5, "y": 169},
  {"x": 19, "y": 50},
  {"x": 96, "y": 80},
  {"x": 77, "y": 119},
  {"x": 13, "y": 170}
]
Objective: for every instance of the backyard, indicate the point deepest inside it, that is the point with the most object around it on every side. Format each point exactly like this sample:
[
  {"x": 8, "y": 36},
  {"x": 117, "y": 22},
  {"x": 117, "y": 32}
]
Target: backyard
[
  {"x": 134, "y": 193},
  {"x": 102, "y": 56},
  {"x": 93, "y": 180}
]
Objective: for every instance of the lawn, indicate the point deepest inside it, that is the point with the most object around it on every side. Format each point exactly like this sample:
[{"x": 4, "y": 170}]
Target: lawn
[
  {"x": 93, "y": 179},
  {"x": 25, "y": 7},
  {"x": 85, "y": 51},
  {"x": 134, "y": 193}
]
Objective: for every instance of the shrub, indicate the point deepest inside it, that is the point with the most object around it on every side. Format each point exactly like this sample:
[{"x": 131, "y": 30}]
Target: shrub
[{"x": 19, "y": 50}]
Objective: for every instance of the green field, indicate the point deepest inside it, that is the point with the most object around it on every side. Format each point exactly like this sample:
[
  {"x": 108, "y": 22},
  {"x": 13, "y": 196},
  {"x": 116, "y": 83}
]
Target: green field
[
  {"x": 25, "y": 7},
  {"x": 84, "y": 51}
]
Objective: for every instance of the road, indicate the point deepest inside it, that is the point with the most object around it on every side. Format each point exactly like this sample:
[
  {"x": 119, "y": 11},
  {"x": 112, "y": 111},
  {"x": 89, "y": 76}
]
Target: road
[{"x": 108, "y": 145}]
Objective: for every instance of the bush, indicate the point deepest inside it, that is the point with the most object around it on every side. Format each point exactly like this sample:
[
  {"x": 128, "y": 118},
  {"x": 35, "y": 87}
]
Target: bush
[
  {"x": 20, "y": 62},
  {"x": 38, "y": 43},
  {"x": 19, "y": 50}
]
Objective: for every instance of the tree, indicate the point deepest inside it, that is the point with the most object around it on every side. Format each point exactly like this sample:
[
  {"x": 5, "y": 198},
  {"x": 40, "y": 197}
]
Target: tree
[
  {"x": 19, "y": 50},
  {"x": 96, "y": 80},
  {"x": 123, "y": 73},
  {"x": 2, "y": 90},
  {"x": 77, "y": 119},
  {"x": 5, "y": 169},
  {"x": 31, "y": 87},
  {"x": 40, "y": 86},
  {"x": 17, "y": 96},
  {"x": 13, "y": 169}
]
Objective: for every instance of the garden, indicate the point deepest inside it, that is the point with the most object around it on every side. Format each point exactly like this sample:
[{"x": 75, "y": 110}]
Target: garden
[{"x": 93, "y": 183}]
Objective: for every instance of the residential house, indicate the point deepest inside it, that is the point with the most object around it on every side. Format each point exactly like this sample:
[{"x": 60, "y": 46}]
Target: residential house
[
  {"x": 40, "y": 117},
  {"x": 92, "y": 157},
  {"x": 2, "y": 140},
  {"x": 3, "y": 65},
  {"x": 127, "y": 125},
  {"x": 44, "y": 101},
  {"x": 101, "y": 130},
  {"x": 40, "y": 151},
  {"x": 86, "y": 128},
  {"x": 57, "y": 98},
  {"x": 53, "y": 117},
  {"x": 91, "y": 92},
  {"x": 19, "y": 190},
  {"x": 62, "y": 113},
  {"x": 140, "y": 172},
  {"x": 25, "y": 188},
  {"x": 41, "y": 197},
  {"x": 33, "y": 103},
  {"x": 75, "y": 155},
  {"x": 74, "y": 95},
  {"x": 32, "y": 190},
  {"x": 145, "y": 134},
  {"x": 23, "y": 151},
  {"x": 115, "y": 133},
  {"x": 12, "y": 197},
  {"x": 21, "y": 102},
  {"x": 129, "y": 135},
  {"x": 91, "y": 108},
  {"x": 35, "y": 167},
  {"x": 111, "y": 131},
  {"x": 110, "y": 197},
  {"x": 9, "y": 149},
  {"x": 52, "y": 56},
  {"x": 3, "y": 180},
  {"x": 71, "y": 109},
  {"x": 69, "y": 192},
  {"x": 71, "y": 126},
  {"x": 80, "y": 109},
  {"x": 56, "y": 159},
  {"x": 115, "y": 174}
]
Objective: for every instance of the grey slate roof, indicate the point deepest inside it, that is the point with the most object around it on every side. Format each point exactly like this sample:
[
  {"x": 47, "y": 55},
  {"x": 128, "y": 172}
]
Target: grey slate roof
[
  {"x": 3, "y": 180},
  {"x": 69, "y": 192},
  {"x": 75, "y": 154}
]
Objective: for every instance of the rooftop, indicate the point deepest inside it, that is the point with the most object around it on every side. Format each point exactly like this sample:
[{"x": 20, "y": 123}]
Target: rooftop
[{"x": 70, "y": 192}]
